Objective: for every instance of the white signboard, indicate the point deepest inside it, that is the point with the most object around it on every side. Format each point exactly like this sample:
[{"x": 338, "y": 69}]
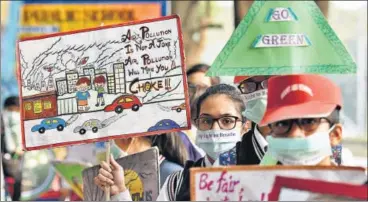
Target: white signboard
[
  {"x": 103, "y": 83},
  {"x": 255, "y": 183}
]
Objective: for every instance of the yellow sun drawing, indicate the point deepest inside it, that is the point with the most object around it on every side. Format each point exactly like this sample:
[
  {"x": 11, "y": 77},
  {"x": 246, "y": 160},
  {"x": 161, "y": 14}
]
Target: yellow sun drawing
[{"x": 133, "y": 182}]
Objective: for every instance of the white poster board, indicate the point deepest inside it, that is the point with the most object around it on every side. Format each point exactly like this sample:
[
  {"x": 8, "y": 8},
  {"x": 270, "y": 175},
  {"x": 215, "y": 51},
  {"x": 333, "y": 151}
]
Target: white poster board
[
  {"x": 254, "y": 183},
  {"x": 103, "y": 83}
]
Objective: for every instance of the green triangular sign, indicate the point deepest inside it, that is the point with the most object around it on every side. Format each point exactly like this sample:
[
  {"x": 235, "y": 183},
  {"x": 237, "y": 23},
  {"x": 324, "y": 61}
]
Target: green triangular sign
[{"x": 283, "y": 37}]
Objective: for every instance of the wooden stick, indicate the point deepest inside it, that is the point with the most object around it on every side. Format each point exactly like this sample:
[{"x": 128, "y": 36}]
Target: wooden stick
[{"x": 108, "y": 148}]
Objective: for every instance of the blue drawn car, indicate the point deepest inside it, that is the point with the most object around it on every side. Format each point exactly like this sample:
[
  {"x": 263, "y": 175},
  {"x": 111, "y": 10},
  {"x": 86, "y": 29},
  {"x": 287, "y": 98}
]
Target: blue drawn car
[
  {"x": 49, "y": 124},
  {"x": 165, "y": 124}
]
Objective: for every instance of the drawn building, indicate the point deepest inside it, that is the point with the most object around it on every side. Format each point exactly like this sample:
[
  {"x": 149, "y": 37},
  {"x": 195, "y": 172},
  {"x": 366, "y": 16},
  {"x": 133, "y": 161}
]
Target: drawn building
[
  {"x": 40, "y": 106},
  {"x": 111, "y": 83},
  {"x": 71, "y": 79},
  {"x": 119, "y": 73},
  {"x": 90, "y": 71},
  {"x": 61, "y": 86},
  {"x": 50, "y": 86}
]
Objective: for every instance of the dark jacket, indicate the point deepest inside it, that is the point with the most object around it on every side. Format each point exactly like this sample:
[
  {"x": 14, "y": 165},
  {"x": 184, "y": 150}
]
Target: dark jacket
[
  {"x": 181, "y": 182},
  {"x": 246, "y": 149}
]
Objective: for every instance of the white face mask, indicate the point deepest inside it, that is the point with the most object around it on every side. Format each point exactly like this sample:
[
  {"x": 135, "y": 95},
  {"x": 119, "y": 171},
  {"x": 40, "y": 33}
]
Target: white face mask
[
  {"x": 255, "y": 106},
  {"x": 216, "y": 142},
  {"x": 309, "y": 150}
]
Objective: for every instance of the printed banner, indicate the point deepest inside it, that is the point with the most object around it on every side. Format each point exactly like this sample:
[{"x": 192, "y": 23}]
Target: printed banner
[
  {"x": 254, "y": 183},
  {"x": 97, "y": 84},
  {"x": 141, "y": 172},
  {"x": 287, "y": 189},
  {"x": 37, "y": 18}
]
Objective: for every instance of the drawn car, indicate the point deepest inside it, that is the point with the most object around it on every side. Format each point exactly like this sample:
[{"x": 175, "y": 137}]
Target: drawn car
[
  {"x": 165, "y": 124},
  {"x": 179, "y": 108},
  {"x": 49, "y": 124},
  {"x": 124, "y": 102},
  {"x": 92, "y": 124}
]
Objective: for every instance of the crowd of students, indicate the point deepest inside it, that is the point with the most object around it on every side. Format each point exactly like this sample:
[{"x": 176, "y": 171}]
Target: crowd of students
[{"x": 267, "y": 120}]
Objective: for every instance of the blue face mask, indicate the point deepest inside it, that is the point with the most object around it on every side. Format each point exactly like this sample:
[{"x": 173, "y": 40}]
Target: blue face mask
[
  {"x": 309, "y": 150},
  {"x": 255, "y": 106}
]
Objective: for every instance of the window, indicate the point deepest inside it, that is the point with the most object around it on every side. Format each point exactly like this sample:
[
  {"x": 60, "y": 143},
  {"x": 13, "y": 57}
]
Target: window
[
  {"x": 28, "y": 106},
  {"x": 47, "y": 105},
  {"x": 128, "y": 99},
  {"x": 121, "y": 101},
  {"x": 37, "y": 107},
  {"x": 48, "y": 122},
  {"x": 87, "y": 124},
  {"x": 55, "y": 121}
]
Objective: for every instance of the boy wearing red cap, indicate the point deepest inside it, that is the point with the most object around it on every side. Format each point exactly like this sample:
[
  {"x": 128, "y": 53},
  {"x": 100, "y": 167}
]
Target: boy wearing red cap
[{"x": 303, "y": 115}]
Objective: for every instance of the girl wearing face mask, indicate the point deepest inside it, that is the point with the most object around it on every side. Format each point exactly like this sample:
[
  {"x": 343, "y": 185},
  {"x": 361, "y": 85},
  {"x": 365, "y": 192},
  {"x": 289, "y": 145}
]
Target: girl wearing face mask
[
  {"x": 253, "y": 146},
  {"x": 220, "y": 125}
]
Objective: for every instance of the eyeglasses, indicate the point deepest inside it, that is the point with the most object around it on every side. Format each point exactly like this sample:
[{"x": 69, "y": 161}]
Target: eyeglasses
[
  {"x": 281, "y": 128},
  {"x": 225, "y": 122},
  {"x": 247, "y": 86}
]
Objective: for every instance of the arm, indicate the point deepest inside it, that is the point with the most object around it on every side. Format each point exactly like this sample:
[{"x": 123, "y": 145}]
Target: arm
[
  {"x": 113, "y": 176},
  {"x": 122, "y": 196}
]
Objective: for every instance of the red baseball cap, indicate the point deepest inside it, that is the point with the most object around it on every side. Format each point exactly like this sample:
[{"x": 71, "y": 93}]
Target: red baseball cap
[
  {"x": 300, "y": 96},
  {"x": 239, "y": 79}
]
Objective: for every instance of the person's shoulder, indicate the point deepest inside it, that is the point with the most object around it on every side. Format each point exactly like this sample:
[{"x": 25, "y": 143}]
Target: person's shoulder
[
  {"x": 168, "y": 168},
  {"x": 171, "y": 165}
]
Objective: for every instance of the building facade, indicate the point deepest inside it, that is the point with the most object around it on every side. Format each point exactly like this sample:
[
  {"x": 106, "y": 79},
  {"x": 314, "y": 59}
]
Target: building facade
[
  {"x": 61, "y": 86},
  {"x": 40, "y": 106},
  {"x": 119, "y": 73},
  {"x": 111, "y": 83},
  {"x": 90, "y": 71},
  {"x": 71, "y": 79}
]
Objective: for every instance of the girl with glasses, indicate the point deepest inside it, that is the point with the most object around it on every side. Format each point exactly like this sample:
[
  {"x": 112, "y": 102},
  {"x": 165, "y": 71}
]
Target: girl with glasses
[{"x": 220, "y": 125}]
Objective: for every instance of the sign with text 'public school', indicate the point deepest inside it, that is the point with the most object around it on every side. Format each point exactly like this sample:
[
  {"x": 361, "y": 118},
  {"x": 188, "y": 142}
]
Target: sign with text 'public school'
[
  {"x": 102, "y": 83},
  {"x": 38, "y": 18},
  {"x": 255, "y": 183},
  {"x": 283, "y": 37}
]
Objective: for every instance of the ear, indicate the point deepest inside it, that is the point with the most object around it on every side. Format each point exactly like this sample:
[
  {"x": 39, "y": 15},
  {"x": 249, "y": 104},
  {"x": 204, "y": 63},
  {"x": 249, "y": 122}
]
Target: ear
[
  {"x": 336, "y": 135},
  {"x": 246, "y": 127}
]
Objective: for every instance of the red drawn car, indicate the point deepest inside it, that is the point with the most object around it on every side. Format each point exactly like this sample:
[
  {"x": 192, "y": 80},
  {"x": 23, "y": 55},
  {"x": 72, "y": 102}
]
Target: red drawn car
[{"x": 124, "y": 102}]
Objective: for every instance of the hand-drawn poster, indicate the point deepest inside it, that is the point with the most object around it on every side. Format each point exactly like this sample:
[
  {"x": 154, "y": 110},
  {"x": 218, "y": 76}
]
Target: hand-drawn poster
[
  {"x": 103, "y": 83},
  {"x": 141, "y": 172},
  {"x": 72, "y": 173},
  {"x": 290, "y": 189},
  {"x": 237, "y": 183}
]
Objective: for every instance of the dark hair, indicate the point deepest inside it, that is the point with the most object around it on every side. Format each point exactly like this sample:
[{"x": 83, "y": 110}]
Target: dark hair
[
  {"x": 170, "y": 146},
  {"x": 202, "y": 68},
  {"x": 12, "y": 101},
  {"x": 198, "y": 68},
  {"x": 334, "y": 117},
  {"x": 222, "y": 89},
  {"x": 83, "y": 80},
  {"x": 99, "y": 79}
]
